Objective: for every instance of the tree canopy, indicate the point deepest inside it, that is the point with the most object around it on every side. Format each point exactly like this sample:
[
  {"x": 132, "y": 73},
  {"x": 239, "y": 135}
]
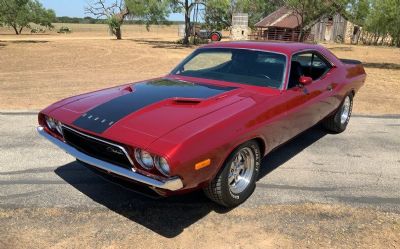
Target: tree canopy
[
  {"x": 19, "y": 14},
  {"x": 116, "y": 12},
  {"x": 310, "y": 12},
  {"x": 219, "y": 12}
]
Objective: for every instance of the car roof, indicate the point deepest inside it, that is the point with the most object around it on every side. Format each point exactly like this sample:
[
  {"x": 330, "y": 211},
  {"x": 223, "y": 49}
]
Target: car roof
[{"x": 281, "y": 47}]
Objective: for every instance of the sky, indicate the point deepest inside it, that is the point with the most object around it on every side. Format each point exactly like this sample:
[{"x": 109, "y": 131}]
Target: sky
[{"x": 75, "y": 8}]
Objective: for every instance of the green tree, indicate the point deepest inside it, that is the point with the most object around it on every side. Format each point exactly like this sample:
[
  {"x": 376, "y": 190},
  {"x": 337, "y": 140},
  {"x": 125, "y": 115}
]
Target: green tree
[
  {"x": 19, "y": 14},
  {"x": 258, "y": 9},
  {"x": 219, "y": 12},
  {"x": 186, "y": 7},
  {"x": 358, "y": 11},
  {"x": 309, "y": 12},
  {"x": 114, "y": 12},
  {"x": 383, "y": 22},
  {"x": 152, "y": 11}
]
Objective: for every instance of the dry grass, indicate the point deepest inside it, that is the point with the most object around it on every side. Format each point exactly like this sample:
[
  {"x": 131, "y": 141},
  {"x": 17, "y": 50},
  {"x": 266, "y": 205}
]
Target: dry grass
[
  {"x": 278, "y": 226},
  {"x": 381, "y": 93},
  {"x": 36, "y": 70}
]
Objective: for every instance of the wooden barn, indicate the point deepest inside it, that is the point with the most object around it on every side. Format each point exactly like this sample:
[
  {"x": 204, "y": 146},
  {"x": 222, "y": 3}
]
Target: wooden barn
[{"x": 284, "y": 25}]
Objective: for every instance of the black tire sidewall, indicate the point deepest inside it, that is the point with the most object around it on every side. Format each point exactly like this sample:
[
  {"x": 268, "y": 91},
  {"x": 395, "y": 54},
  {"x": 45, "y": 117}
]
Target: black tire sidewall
[
  {"x": 215, "y": 33},
  {"x": 338, "y": 122},
  {"x": 230, "y": 198}
]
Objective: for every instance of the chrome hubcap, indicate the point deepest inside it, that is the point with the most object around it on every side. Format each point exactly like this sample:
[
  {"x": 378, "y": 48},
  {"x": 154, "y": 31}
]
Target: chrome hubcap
[
  {"x": 241, "y": 170},
  {"x": 345, "y": 110}
]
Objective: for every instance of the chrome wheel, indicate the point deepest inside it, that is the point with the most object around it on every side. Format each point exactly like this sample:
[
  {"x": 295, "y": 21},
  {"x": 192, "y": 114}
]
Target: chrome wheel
[
  {"x": 345, "y": 110},
  {"x": 241, "y": 170}
]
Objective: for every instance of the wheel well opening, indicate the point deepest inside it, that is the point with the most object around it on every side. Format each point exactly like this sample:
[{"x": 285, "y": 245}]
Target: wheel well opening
[{"x": 261, "y": 144}]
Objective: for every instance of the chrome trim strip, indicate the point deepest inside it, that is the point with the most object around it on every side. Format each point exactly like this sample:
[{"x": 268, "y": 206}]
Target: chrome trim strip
[
  {"x": 103, "y": 141},
  {"x": 172, "y": 184}
]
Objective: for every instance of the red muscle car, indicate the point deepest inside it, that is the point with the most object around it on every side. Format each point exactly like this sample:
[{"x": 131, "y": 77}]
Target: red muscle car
[{"x": 208, "y": 123}]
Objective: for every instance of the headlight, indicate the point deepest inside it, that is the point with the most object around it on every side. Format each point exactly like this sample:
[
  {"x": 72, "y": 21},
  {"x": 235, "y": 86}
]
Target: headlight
[
  {"x": 51, "y": 123},
  {"x": 144, "y": 158},
  {"x": 163, "y": 166},
  {"x": 54, "y": 125},
  {"x": 59, "y": 127}
]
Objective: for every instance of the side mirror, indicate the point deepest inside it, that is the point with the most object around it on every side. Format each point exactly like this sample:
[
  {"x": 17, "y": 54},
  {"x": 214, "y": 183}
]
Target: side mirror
[{"x": 305, "y": 81}]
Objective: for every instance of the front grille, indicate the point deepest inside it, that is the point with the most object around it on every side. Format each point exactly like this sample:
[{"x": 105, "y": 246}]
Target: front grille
[{"x": 96, "y": 148}]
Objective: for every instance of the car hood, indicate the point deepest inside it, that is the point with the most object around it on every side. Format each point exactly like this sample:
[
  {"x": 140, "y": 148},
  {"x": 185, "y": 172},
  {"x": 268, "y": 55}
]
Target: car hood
[{"x": 138, "y": 114}]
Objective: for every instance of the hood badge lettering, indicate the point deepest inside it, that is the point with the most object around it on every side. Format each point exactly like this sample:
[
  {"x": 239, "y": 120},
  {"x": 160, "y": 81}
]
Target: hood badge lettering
[
  {"x": 97, "y": 119},
  {"x": 115, "y": 151}
]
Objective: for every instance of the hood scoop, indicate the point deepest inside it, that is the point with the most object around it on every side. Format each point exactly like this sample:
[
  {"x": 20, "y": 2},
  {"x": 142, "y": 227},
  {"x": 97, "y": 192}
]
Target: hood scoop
[{"x": 187, "y": 101}]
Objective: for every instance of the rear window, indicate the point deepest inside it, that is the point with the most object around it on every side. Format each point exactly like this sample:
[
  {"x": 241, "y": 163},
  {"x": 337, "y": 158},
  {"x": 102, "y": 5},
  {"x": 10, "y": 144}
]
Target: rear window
[{"x": 243, "y": 66}]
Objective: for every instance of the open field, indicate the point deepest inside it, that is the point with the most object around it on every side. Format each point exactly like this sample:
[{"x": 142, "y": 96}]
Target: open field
[{"x": 36, "y": 70}]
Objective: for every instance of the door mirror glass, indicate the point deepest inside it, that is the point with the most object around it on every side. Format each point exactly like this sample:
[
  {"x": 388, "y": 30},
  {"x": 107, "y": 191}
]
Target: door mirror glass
[{"x": 304, "y": 80}]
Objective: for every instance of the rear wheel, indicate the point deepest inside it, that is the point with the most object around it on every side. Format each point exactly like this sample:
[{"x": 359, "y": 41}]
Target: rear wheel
[
  {"x": 215, "y": 36},
  {"x": 338, "y": 121},
  {"x": 237, "y": 179}
]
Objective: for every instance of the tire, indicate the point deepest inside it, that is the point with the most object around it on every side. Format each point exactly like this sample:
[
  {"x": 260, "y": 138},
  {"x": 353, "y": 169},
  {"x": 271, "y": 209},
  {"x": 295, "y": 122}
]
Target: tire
[
  {"x": 215, "y": 36},
  {"x": 338, "y": 121},
  {"x": 222, "y": 191}
]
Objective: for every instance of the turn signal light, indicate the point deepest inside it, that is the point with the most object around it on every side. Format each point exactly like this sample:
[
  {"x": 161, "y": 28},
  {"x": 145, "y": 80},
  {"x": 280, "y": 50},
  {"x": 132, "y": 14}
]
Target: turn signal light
[{"x": 202, "y": 164}]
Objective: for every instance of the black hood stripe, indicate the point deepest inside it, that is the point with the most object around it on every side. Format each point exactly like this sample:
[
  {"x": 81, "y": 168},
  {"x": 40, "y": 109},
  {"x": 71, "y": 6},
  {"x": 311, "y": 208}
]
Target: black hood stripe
[{"x": 105, "y": 115}]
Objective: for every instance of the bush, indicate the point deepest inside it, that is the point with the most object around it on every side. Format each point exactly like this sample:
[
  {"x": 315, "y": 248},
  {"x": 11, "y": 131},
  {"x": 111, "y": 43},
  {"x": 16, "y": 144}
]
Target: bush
[
  {"x": 193, "y": 40},
  {"x": 64, "y": 30},
  {"x": 38, "y": 30}
]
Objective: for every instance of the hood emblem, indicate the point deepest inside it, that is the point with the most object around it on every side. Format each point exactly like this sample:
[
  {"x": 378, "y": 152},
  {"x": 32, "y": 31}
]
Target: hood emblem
[{"x": 114, "y": 150}]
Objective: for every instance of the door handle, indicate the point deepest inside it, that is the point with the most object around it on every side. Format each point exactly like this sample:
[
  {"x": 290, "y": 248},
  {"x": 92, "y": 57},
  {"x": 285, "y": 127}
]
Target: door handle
[{"x": 329, "y": 88}]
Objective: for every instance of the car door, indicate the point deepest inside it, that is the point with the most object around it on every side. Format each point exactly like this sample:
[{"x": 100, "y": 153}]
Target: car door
[
  {"x": 306, "y": 105},
  {"x": 322, "y": 74}
]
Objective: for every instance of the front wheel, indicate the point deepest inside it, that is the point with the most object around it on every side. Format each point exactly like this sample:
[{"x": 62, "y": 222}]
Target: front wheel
[
  {"x": 338, "y": 121},
  {"x": 237, "y": 179}
]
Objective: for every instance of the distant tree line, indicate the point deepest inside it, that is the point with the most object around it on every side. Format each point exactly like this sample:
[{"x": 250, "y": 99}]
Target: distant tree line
[{"x": 91, "y": 20}]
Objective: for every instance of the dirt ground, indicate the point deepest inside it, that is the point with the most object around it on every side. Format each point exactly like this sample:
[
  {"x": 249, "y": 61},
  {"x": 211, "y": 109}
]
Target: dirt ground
[
  {"x": 295, "y": 226},
  {"x": 37, "y": 70}
]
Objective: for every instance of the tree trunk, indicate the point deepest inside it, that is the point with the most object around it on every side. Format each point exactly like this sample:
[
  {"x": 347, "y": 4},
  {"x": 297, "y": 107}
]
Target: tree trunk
[
  {"x": 15, "y": 29},
  {"x": 20, "y": 30},
  {"x": 118, "y": 33},
  {"x": 187, "y": 24},
  {"x": 117, "y": 21},
  {"x": 359, "y": 37}
]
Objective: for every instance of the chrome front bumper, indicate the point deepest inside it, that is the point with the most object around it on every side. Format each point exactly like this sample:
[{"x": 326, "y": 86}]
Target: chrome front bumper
[{"x": 172, "y": 184}]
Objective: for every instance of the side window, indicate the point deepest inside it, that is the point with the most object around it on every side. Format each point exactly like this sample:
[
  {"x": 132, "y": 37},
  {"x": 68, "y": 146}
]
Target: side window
[
  {"x": 319, "y": 67},
  {"x": 300, "y": 66},
  {"x": 305, "y": 59},
  {"x": 307, "y": 64}
]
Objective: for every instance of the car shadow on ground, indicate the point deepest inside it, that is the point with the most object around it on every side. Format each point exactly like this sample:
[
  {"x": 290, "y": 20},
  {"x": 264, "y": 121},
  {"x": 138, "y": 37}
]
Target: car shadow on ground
[
  {"x": 287, "y": 151},
  {"x": 167, "y": 216}
]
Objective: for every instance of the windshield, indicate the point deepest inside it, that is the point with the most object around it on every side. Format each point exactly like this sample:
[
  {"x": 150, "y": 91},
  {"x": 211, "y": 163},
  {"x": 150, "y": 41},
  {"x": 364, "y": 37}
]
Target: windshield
[{"x": 243, "y": 66}]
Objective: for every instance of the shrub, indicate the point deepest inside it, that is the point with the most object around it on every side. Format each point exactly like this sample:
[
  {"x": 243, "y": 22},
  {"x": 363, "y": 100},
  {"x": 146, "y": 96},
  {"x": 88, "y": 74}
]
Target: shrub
[{"x": 64, "y": 30}]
